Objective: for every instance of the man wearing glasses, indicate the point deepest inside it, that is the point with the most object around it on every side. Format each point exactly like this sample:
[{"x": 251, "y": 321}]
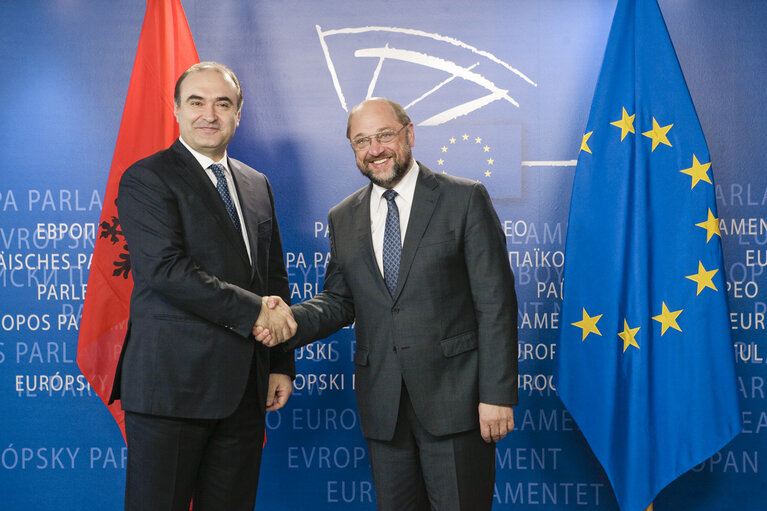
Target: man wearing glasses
[{"x": 419, "y": 261}]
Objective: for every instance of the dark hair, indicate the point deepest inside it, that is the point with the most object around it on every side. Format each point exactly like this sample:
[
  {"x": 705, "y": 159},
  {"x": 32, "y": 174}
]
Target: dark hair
[
  {"x": 202, "y": 66},
  {"x": 402, "y": 116}
]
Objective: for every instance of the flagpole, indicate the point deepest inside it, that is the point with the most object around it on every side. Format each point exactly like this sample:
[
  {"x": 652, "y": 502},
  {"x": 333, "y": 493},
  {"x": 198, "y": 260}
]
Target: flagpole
[{"x": 650, "y": 507}]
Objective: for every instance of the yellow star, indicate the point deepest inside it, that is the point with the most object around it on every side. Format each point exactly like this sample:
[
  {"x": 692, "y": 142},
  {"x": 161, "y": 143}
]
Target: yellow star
[
  {"x": 486, "y": 148},
  {"x": 490, "y": 161},
  {"x": 588, "y": 325},
  {"x": 584, "y": 142},
  {"x": 465, "y": 136},
  {"x": 626, "y": 124},
  {"x": 703, "y": 278},
  {"x": 658, "y": 134},
  {"x": 487, "y": 173},
  {"x": 478, "y": 140},
  {"x": 668, "y": 319},
  {"x": 440, "y": 162},
  {"x": 698, "y": 172},
  {"x": 444, "y": 149},
  {"x": 711, "y": 225},
  {"x": 452, "y": 140},
  {"x": 628, "y": 336}
]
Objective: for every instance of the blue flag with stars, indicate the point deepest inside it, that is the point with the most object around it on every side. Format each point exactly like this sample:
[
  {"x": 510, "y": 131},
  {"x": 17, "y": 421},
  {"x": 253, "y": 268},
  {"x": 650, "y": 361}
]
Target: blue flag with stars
[{"x": 645, "y": 362}]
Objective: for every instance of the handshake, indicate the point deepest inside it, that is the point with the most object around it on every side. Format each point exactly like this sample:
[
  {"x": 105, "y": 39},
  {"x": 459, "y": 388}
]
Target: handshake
[{"x": 275, "y": 323}]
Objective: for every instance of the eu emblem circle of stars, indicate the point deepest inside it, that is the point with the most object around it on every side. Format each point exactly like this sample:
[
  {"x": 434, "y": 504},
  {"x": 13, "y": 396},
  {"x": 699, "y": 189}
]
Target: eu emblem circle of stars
[
  {"x": 703, "y": 278},
  {"x": 474, "y": 141}
]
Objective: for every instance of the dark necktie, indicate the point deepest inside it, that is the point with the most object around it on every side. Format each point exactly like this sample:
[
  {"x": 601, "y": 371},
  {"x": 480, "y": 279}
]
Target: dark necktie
[
  {"x": 223, "y": 190},
  {"x": 392, "y": 245}
]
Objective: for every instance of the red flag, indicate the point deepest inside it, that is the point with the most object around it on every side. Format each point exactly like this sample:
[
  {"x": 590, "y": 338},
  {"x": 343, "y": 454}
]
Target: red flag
[{"x": 165, "y": 50}]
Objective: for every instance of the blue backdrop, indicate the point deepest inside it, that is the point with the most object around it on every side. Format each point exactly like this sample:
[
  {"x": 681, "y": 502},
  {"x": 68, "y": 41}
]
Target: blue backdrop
[{"x": 499, "y": 91}]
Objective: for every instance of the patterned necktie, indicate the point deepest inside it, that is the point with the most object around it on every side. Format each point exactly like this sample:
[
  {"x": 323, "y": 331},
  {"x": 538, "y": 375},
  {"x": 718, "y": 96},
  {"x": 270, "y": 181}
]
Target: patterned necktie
[
  {"x": 223, "y": 190},
  {"x": 392, "y": 245}
]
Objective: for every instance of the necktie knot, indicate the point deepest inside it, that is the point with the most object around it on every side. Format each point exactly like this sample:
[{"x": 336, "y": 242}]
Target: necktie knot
[
  {"x": 389, "y": 195},
  {"x": 218, "y": 170}
]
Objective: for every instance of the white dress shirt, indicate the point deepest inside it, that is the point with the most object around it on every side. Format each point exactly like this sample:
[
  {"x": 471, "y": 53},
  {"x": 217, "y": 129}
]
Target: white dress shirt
[
  {"x": 206, "y": 162},
  {"x": 379, "y": 208}
]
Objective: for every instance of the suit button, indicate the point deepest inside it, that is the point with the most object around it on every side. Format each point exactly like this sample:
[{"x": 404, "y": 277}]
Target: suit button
[{"x": 395, "y": 310}]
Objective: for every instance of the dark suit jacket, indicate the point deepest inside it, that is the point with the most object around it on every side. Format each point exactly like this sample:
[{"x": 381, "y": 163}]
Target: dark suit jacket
[
  {"x": 451, "y": 330},
  {"x": 196, "y": 296}
]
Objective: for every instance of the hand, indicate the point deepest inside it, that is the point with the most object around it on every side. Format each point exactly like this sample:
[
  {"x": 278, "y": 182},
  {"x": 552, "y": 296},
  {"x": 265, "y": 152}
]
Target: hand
[
  {"x": 280, "y": 389},
  {"x": 275, "y": 323},
  {"x": 495, "y": 421}
]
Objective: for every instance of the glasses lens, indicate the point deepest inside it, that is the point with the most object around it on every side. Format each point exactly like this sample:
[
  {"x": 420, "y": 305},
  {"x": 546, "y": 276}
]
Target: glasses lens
[
  {"x": 381, "y": 138},
  {"x": 386, "y": 137}
]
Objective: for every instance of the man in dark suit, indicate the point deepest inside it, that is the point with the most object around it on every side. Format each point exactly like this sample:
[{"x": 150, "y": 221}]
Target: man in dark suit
[
  {"x": 204, "y": 247},
  {"x": 425, "y": 275}
]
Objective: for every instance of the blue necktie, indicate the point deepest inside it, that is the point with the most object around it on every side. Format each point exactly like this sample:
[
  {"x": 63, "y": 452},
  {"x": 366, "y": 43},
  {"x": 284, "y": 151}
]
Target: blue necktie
[
  {"x": 223, "y": 190},
  {"x": 392, "y": 245}
]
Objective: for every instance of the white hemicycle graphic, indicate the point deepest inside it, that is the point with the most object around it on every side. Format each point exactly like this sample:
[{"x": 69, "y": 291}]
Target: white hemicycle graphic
[{"x": 422, "y": 59}]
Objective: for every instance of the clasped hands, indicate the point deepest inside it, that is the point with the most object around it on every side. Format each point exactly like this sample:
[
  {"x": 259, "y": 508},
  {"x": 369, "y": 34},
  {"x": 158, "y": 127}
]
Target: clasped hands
[{"x": 275, "y": 323}]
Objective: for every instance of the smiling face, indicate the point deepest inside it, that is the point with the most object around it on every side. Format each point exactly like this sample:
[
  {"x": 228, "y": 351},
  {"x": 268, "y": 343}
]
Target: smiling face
[
  {"x": 384, "y": 164},
  {"x": 207, "y": 112}
]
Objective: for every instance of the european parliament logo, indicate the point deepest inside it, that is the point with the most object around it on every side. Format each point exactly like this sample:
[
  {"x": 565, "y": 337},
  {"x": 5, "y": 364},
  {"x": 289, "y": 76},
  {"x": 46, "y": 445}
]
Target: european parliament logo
[
  {"x": 443, "y": 83},
  {"x": 488, "y": 154}
]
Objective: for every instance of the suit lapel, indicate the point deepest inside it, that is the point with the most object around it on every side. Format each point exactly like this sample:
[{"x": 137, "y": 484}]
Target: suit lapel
[
  {"x": 360, "y": 212},
  {"x": 195, "y": 175},
  {"x": 249, "y": 197},
  {"x": 424, "y": 202}
]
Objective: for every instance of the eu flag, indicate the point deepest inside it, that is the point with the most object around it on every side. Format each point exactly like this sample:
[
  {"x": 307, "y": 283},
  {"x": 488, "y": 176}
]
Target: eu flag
[{"x": 645, "y": 364}]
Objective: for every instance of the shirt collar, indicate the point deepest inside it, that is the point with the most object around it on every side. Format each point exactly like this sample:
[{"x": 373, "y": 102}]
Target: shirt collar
[{"x": 205, "y": 161}]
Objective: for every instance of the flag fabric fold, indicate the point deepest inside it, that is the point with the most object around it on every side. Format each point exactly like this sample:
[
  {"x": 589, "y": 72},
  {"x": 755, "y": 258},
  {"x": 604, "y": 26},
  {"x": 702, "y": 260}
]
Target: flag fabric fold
[
  {"x": 165, "y": 50},
  {"x": 645, "y": 359}
]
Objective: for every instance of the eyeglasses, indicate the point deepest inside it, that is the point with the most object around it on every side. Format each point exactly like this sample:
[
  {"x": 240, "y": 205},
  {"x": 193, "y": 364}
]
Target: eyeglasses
[{"x": 383, "y": 137}]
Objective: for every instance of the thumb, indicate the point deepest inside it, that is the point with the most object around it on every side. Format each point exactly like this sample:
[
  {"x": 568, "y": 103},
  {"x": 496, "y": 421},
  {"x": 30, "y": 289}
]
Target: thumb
[{"x": 270, "y": 395}]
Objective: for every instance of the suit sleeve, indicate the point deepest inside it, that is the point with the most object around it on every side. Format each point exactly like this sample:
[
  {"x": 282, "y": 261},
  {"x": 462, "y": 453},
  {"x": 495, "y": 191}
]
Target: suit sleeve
[
  {"x": 280, "y": 361},
  {"x": 495, "y": 301},
  {"x": 328, "y": 311},
  {"x": 151, "y": 220}
]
